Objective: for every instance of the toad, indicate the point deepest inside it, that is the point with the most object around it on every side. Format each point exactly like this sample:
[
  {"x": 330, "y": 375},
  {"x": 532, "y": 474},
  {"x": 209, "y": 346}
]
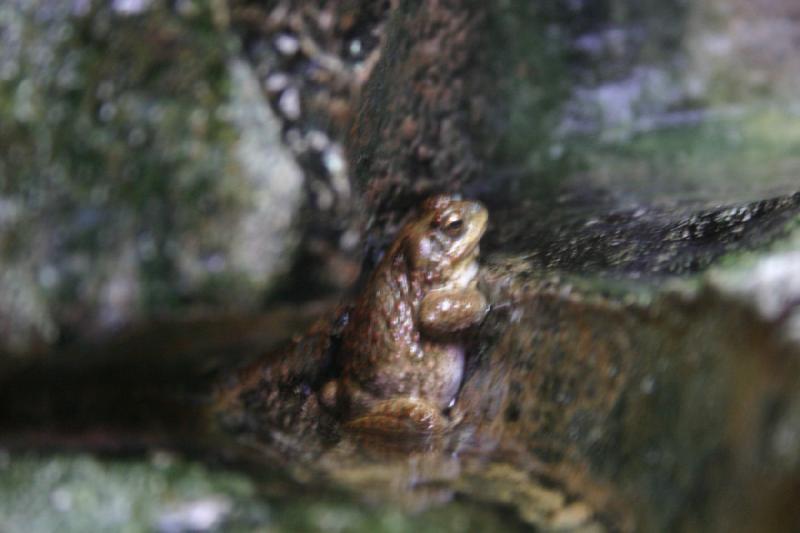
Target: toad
[{"x": 402, "y": 351}]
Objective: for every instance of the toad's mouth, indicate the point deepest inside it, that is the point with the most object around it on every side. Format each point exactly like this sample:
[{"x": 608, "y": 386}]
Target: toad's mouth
[
  {"x": 466, "y": 248},
  {"x": 471, "y": 253}
]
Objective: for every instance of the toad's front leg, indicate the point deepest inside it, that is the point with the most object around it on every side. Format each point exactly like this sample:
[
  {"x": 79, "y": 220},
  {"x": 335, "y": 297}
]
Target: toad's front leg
[{"x": 447, "y": 311}]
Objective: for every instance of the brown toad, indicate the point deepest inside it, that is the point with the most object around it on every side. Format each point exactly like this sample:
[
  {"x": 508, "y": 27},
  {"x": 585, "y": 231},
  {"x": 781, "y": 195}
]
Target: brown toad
[{"x": 402, "y": 351}]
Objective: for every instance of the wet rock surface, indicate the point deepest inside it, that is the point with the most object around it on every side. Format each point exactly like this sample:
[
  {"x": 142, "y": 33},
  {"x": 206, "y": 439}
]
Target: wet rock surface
[{"x": 662, "y": 401}]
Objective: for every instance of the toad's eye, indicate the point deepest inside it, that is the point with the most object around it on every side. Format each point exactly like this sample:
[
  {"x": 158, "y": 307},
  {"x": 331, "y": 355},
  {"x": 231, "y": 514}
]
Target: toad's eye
[{"x": 453, "y": 227}]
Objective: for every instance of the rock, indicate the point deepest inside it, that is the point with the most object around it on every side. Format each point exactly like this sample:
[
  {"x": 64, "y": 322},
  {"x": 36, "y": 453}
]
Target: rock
[
  {"x": 313, "y": 61},
  {"x": 141, "y": 177},
  {"x": 682, "y": 404},
  {"x": 412, "y": 134}
]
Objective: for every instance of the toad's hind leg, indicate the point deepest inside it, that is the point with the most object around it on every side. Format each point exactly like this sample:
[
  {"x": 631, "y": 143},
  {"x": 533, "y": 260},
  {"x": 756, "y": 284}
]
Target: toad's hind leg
[{"x": 400, "y": 417}]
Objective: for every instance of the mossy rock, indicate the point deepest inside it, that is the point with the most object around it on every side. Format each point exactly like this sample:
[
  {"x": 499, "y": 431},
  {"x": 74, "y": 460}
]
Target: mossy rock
[{"x": 142, "y": 172}]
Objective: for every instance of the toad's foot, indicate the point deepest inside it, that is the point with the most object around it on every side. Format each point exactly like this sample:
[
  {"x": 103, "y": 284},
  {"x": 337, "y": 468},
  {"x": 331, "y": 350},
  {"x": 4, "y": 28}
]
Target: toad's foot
[{"x": 400, "y": 418}]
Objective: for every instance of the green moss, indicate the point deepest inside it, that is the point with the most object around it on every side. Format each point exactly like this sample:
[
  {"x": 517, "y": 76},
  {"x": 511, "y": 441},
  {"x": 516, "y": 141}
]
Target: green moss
[
  {"x": 108, "y": 134},
  {"x": 80, "y": 493},
  {"x": 747, "y": 155}
]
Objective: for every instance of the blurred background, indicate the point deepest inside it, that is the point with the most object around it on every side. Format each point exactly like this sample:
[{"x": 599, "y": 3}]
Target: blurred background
[{"x": 189, "y": 181}]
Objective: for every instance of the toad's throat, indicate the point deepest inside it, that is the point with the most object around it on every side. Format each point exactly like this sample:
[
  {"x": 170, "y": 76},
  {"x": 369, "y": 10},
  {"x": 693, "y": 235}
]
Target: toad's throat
[
  {"x": 464, "y": 272},
  {"x": 464, "y": 275}
]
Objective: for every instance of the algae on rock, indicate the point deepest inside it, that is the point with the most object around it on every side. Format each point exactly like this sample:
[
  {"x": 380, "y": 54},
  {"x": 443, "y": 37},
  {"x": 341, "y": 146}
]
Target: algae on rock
[{"x": 141, "y": 173}]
